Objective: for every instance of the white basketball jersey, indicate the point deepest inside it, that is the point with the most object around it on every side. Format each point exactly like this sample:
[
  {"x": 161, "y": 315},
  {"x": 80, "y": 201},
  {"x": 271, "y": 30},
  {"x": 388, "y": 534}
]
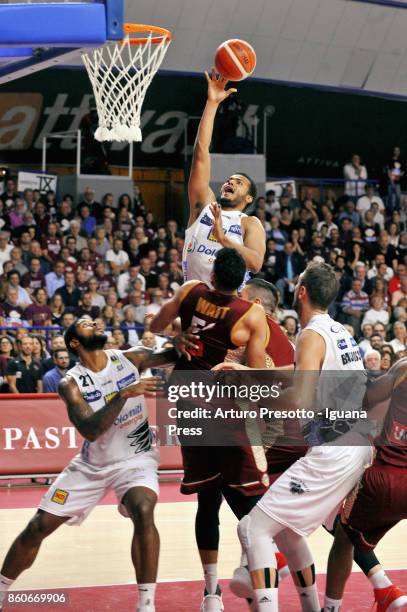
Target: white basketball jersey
[
  {"x": 342, "y": 382},
  {"x": 201, "y": 247},
  {"x": 130, "y": 433},
  {"x": 341, "y": 350}
]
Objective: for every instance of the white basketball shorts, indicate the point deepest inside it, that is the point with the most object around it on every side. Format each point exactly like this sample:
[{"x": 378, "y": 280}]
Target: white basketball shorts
[
  {"x": 311, "y": 492},
  {"x": 80, "y": 487}
]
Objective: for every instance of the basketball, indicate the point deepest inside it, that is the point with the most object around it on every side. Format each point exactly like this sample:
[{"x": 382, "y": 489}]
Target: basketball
[{"x": 235, "y": 59}]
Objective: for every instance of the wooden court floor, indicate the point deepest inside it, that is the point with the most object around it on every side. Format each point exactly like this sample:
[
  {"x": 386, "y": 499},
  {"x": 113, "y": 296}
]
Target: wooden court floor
[{"x": 98, "y": 551}]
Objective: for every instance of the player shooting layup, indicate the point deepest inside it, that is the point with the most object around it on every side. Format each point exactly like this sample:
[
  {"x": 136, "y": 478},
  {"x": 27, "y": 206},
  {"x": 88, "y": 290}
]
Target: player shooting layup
[
  {"x": 104, "y": 397},
  {"x": 212, "y": 226}
]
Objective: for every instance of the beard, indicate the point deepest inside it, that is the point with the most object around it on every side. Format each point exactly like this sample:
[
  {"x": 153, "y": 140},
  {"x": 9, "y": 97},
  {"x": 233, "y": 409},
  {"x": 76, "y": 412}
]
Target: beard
[
  {"x": 297, "y": 306},
  {"x": 93, "y": 343},
  {"x": 226, "y": 203}
]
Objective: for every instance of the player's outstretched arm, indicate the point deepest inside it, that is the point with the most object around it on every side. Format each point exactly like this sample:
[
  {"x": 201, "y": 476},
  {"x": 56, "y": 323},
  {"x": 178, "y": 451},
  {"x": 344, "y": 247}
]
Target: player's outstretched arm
[
  {"x": 144, "y": 358},
  {"x": 91, "y": 424},
  {"x": 199, "y": 192},
  {"x": 169, "y": 312}
]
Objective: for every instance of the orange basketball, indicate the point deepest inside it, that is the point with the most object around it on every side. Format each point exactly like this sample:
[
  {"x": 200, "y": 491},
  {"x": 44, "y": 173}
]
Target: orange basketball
[{"x": 235, "y": 59}]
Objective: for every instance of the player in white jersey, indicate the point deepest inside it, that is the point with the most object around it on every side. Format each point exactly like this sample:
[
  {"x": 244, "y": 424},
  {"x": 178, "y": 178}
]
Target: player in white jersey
[
  {"x": 104, "y": 397},
  {"x": 214, "y": 225},
  {"x": 312, "y": 489}
]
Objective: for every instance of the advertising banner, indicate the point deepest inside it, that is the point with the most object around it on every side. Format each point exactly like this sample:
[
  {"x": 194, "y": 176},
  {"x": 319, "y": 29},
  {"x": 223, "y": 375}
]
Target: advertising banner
[
  {"x": 310, "y": 132},
  {"x": 36, "y": 436}
]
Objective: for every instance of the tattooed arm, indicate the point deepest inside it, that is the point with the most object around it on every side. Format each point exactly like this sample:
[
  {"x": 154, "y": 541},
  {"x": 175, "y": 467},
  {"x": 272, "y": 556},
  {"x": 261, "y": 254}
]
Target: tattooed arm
[{"x": 91, "y": 424}]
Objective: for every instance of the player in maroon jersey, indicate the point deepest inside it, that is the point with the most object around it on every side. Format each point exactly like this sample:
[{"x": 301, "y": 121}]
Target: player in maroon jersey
[
  {"x": 289, "y": 446},
  {"x": 284, "y": 444},
  {"x": 381, "y": 499},
  {"x": 224, "y": 322},
  {"x": 279, "y": 348}
]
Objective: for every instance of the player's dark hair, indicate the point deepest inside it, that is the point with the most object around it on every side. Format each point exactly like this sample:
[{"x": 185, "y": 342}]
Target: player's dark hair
[
  {"x": 252, "y": 186},
  {"x": 321, "y": 284},
  {"x": 266, "y": 291},
  {"x": 71, "y": 334},
  {"x": 229, "y": 269}
]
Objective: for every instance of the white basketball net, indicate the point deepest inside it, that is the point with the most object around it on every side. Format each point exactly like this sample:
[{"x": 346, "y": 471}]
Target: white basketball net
[{"x": 120, "y": 74}]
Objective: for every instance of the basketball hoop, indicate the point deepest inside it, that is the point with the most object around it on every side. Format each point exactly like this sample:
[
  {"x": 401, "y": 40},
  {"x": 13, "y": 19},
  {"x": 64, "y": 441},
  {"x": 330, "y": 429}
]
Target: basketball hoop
[{"x": 120, "y": 74}]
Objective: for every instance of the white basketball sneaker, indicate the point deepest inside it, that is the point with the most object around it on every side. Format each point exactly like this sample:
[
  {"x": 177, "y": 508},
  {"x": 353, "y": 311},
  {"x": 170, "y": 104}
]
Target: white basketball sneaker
[
  {"x": 212, "y": 602},
  {"x": 241, "y": 584}
]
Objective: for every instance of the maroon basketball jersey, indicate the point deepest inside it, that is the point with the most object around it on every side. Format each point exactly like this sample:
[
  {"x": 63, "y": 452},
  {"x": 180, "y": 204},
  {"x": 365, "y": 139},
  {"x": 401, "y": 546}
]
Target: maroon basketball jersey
[
  {"x": 279, "y": 348},
  {"x": 212, "y": 315},
  {"x": 281, "y": 351},
  {"x": 392, "y": 442}
]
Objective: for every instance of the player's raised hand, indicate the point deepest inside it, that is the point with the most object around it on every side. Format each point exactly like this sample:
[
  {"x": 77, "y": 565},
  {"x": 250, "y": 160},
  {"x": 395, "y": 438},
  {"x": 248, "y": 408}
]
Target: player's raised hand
[
  {"x": 217, "y": 227},
  {"x": 150, "y": 384},
  {"x": 216, "y": 87},
  {"x": 186, "y": 343}
]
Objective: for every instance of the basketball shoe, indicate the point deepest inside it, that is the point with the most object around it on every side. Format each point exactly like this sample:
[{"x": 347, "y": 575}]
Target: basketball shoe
[
  {"x": 212, "y": 602},
  {"x": 145, "y": 608},
  {"x": 389, "y": 598}
]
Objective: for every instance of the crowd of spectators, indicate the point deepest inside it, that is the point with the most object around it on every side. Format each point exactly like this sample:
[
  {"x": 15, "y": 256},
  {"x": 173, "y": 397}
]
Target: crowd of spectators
[
  {"x": 111, "y": 260},
  {"x": 59, "y": 261},
  {"x": 363, "y": 234}
]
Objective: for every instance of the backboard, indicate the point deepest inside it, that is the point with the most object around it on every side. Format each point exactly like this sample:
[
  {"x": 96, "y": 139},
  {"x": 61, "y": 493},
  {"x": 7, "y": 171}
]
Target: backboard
[{"x": 37, "y": 35}]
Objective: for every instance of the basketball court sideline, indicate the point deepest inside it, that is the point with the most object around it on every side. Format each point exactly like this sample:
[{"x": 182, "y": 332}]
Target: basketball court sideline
[{"x": 93, "y": 566}]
